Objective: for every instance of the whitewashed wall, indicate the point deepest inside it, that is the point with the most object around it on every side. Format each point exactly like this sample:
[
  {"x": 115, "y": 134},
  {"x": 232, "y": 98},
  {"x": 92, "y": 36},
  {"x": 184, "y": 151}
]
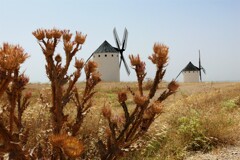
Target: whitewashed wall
[
  {"x": 191, "y": 76},
  {"x": 108, "y": 64}
]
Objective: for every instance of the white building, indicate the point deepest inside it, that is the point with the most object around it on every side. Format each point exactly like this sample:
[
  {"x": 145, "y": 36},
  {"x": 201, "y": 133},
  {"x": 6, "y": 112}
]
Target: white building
[
  {"x": 190, "y": 73},
  {"x": 107, "y": 58}
]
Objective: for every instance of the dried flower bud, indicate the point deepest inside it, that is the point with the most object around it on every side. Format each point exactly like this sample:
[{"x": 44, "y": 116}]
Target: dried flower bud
[
  {"x": 72, "y": 147},
  {"x": 140, "y": 100},
  {"x": 11, "y": 56},
  {"x": 96, "y": 77},
  {"x": 56, "y": 140},
  {"x": 68, "y": 46},
  {"x": 56, "y": 33},
  {"x": 49, "y": 34},
  {"x": 173, "y": 86},
  {"x": 80, "y": 38},
  {"x": 49, "y": 48},
  {"x": 39, "y": 34},
  {"x": 135, "y": 60},
  {"x": 58, "y": 58},
  {"x": 106, "y": 111},
  {"x": 160, "y": 55},
  {"x": 157, "y": 107},
  {"x": 79, "y": 63},
  {"x": 122, "y": 97},
  {"x": 22, "y": 81},
  {"x": 90, "y": 67},
  {"x": 67, "y": 35}
]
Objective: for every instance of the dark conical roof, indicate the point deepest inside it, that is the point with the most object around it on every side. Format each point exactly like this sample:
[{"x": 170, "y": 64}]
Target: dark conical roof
[
  {"x": 105, "y": 47},
  {"x": 190, "y": 67}
]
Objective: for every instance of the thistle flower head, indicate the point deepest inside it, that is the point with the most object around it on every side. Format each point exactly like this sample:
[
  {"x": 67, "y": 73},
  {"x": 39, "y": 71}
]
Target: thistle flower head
[
  {"x": 11, "y": 56},
  {"x": 139, "y": 100},
  {"x": 80, "y": 38},
  {"x": 173, "y": 86},
  {"x": 39, "y": 34},
  {"x": 56, "y": 33},
  {"x": 67, "y": 35},
  {"x": 68, "y": 46},
  {"x": 72, "y": 147},
  {"x": 90, "y": 67},
  {"x": 135, "y": 60},
  {"x": 160, "y": 55},
  {"x": 49, "y": 34},
  {"x": 96, "y": 77},
  {"x": 58, "y": 58},
  {"x": 122, "y": 97},
  {"x": 79, "y": 63}
]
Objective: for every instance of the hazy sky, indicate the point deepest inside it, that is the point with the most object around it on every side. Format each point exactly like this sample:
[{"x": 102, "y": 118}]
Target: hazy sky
[{"x": 213, "y": 26}]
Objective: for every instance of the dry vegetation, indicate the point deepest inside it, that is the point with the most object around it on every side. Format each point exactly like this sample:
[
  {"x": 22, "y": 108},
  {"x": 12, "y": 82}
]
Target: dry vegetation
[{"x": 90, "y": 120}]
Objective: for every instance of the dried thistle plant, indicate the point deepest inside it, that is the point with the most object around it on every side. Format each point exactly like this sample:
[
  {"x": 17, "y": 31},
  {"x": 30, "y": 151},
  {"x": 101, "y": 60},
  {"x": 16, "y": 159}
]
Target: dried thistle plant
[
  {"x": 11, "y": 57},
  {"x": 63, "y": 85},
  {"x": 147, "y": 109}
]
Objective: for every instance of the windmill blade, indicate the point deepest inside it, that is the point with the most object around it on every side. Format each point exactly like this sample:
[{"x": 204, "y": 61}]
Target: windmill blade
[
  {"x": 126, "y": 66},
  {"x": 204, "y": 71},
  {"x": 178, "y": 75},
  {"x": 199, "y": 61},
  {"x": 200, "y": 75},
  {"x": 118, "y": 43},
  {"x": 124, "y": 40},
  {"x": 121, "y": 55}
]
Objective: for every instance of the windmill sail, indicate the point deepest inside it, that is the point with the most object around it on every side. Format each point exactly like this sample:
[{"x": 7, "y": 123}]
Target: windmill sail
[
  {"x": 121, "y": 47},
  {"x": 200, "y": 67}
]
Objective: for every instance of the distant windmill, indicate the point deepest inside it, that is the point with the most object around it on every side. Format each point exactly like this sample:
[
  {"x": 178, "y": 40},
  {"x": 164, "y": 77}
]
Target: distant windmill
[
  {"x": 107, "y": 58},
  {"x": 192, "y": 73}
]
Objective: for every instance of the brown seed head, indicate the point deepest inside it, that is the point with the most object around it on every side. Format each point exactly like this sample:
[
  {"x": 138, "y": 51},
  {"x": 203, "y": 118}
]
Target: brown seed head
[
  {"x": 135, "y": 60},
  {"x": 72, "y": 147},
  {"x": 173, "y": 86},
  {"x": 57, "y": 139},
  {"x": 58, "y": 58},
  {"x": 79, "y": 63},
  {"x": 141, "y": 68},
  {"x": 67, "y": 35},
  {"x": 39, "y": 34},
  {"x": 49, "y": 34},
  {"x": 56, "y": 33},
  {"x": 90, "y": 67},
  {"x": 160, "y": 55},
  {"x": 68, "y": 46},
  {"x": 122, "y": 97},
  {"x": 96, "y": 77},
  {"x": 157, "y": 107},
  {"x": 140, "y": 100},
  {"x": 11, "y": 56},
  {"x": 80, "y": 38},
  {"x": 107, "y": 112}
]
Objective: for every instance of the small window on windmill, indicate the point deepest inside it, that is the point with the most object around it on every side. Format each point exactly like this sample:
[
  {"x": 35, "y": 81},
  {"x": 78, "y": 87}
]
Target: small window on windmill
[
  {"x": 105, "y": 55},
  {"x": 112, "y": 55},
  {"x": 99, "y": 55}
]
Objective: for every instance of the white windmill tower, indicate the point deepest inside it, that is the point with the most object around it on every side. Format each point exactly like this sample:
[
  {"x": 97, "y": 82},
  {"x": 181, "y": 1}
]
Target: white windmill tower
[
  {"x": 192, "y": 73},
  {"x": 107, "y": 58}
]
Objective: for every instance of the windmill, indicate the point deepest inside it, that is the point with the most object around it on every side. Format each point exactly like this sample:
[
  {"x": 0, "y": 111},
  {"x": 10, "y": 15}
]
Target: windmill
[
  {"x": 107, "y": 58},
  {"x": 121, "y": 47},
  {"x": 192, "y": 73}
]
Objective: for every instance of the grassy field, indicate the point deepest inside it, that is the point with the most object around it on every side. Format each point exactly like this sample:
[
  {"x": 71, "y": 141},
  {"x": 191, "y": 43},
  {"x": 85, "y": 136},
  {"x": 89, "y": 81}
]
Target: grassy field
[{"x": 199, "y": 117}]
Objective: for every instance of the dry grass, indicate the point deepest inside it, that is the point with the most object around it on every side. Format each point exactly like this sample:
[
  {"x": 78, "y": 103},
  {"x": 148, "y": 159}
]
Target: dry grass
[{"x": 205, "y": 111}]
